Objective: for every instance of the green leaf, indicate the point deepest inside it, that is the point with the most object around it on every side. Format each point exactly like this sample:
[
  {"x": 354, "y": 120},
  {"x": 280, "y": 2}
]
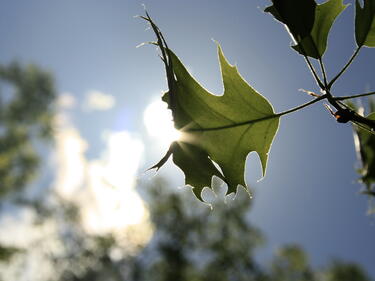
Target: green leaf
[
  {"x": 217, "y": 129},
  {"x": 365, "y": 146},
  {"x": 364, "y": 142},
  {"x": 308, "y": 23},
  {"x": 365, "y": 23}
]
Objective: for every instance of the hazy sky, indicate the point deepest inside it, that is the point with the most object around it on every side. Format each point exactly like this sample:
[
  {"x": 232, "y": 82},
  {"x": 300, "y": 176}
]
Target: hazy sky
[{"x": 309, "y": 195}]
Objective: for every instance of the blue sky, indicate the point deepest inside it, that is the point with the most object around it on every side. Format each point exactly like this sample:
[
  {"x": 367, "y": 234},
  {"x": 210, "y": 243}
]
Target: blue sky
[{"x": 309, "y": 195}]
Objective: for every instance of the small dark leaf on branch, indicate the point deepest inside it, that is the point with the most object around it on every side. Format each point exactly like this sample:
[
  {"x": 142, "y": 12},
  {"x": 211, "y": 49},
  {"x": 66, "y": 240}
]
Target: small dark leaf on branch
[{"x": 308, "y": 23}]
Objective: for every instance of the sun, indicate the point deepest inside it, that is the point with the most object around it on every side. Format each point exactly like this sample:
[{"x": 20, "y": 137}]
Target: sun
[{"x": 158, "y": 121}]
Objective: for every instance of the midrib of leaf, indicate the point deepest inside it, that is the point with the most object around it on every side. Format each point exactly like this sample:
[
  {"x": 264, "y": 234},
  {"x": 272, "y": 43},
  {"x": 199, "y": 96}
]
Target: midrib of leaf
[
  {"x": 238, "y": 124},
  {"x": 271, "y": 116}
]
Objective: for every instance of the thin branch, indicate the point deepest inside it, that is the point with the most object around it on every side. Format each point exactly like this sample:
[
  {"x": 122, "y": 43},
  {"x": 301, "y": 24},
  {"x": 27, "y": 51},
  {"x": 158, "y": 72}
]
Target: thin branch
[
  {"x": 322, "y": 97},
  {"x": 311, "y": 67},
  {"x": 354, "y": 96},
  {"x": 345, "y": 67},
  {"x": 258, "y": 119},
  {"x": 313, "y": 71},
  {"x": 309, "y": 64},
  {"x": 323, "y": 72},
  {"x": 332, "y": 101}
]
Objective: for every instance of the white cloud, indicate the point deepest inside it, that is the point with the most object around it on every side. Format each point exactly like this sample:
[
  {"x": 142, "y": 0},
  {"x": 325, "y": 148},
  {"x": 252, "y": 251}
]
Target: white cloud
[
  {"x": 71, "y": 162},
  {"x": 116, "y": 204},
  {"x": 66, "y": 101},
  {"x": 96, "y": 100},
  {"x": 104, "y": 187}
]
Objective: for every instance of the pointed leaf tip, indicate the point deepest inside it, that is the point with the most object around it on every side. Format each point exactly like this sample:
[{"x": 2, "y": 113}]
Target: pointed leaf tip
[{"x": 163, "y": 160}]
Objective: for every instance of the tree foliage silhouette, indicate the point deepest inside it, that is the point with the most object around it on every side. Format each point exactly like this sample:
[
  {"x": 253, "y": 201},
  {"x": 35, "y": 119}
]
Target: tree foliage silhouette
[{"x": 26, "y": 110}]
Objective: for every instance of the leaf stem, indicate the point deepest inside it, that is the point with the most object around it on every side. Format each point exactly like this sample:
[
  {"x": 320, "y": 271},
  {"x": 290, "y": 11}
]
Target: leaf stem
[
  {"x": 313, "y": 71},
  {"x": 345, "y": 67},
  {"x": 354, "y": 96},
  {"x": 322, "y": 97},
  {"x": 323, "y": 72},
  {"x": 259, "y": 119},
  {"x": 309, "y": 64}
]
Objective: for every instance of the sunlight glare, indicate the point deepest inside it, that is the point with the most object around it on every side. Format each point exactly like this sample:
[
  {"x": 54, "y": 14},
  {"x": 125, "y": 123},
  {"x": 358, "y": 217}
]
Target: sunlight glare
[{"x": 158, "y": 121}]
